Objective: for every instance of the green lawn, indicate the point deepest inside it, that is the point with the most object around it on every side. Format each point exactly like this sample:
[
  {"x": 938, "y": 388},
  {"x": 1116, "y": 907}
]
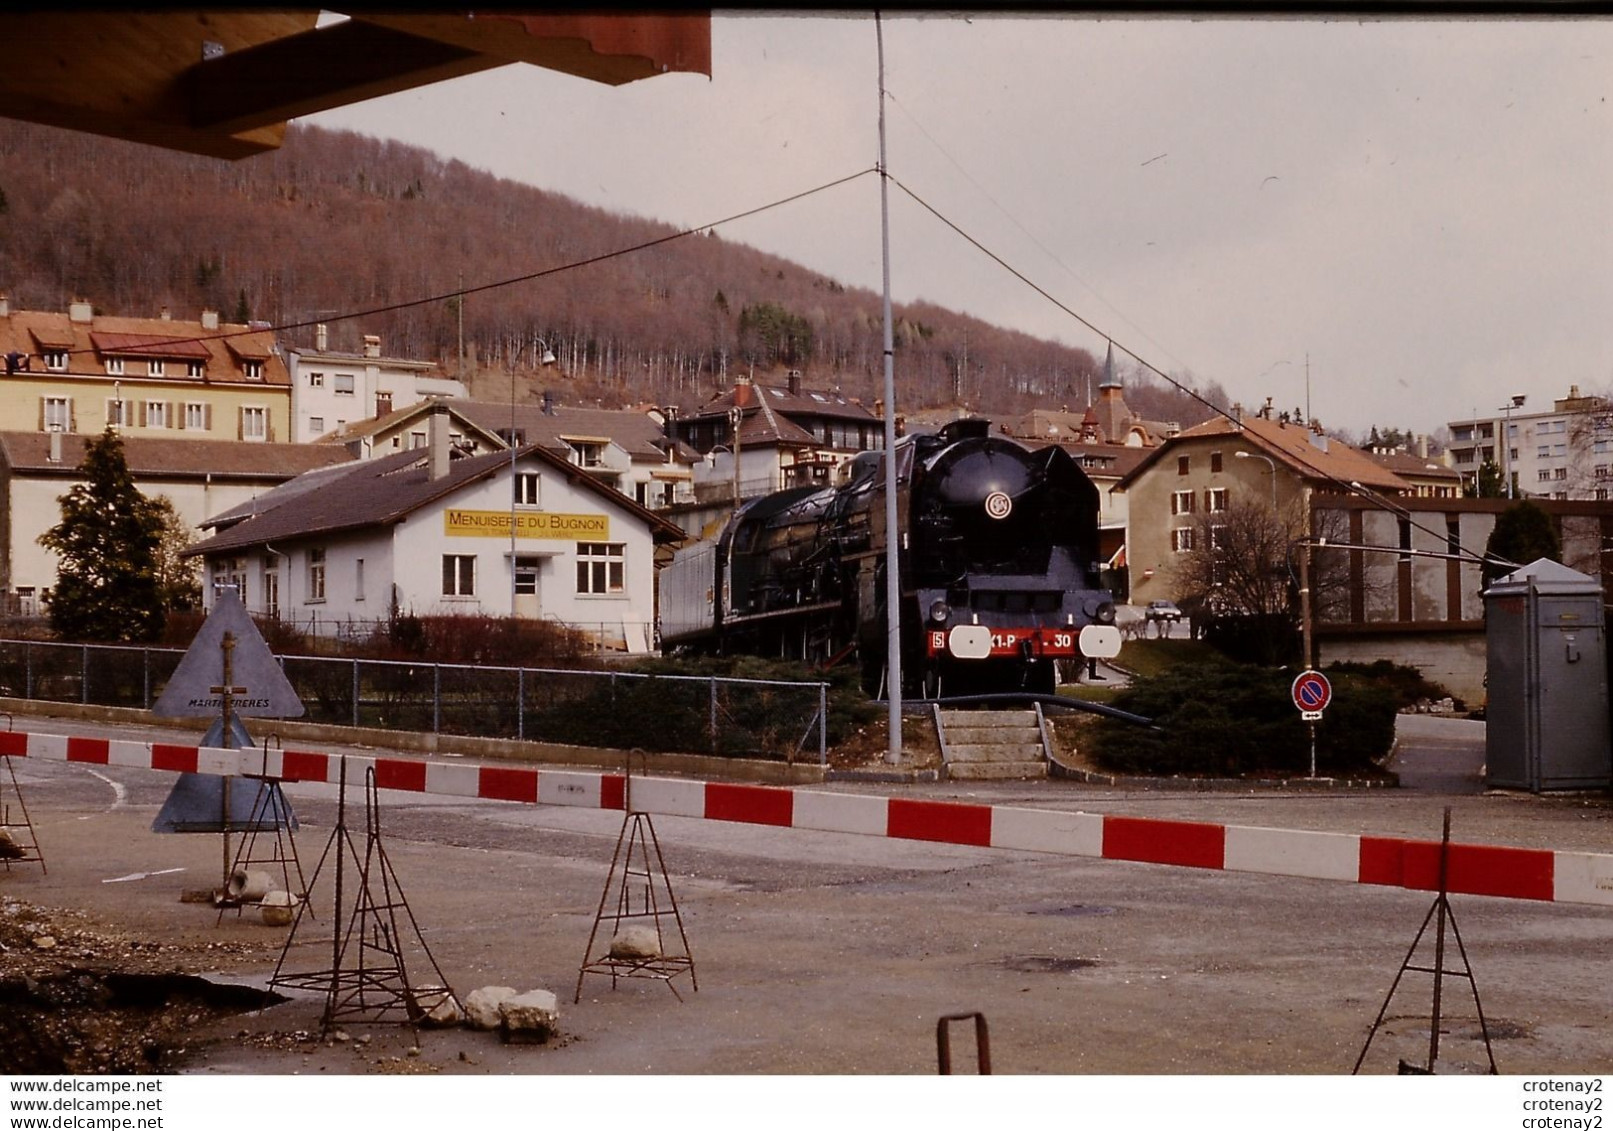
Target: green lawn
[{"x": 1151, "y": 657}]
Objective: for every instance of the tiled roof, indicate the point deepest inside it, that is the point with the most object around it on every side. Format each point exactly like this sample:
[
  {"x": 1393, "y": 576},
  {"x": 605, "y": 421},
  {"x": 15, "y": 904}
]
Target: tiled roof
[
  {"x": 1293, "y": 446},
  {"x": 148, "y": 345},
  {"x": 634, "y": 431},
  {"x": 807, "y": 402},
  {"x": 1410, "y": 466},
  {"x": 30, "y": 452},
  {"x": 222, "y": 350},
  {"x": 380, "y": 492}
]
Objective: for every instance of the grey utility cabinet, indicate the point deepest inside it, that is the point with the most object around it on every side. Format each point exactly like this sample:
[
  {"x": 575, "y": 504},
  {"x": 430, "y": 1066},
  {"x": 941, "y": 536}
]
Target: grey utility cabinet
[{"x": 1547, "y": 680}]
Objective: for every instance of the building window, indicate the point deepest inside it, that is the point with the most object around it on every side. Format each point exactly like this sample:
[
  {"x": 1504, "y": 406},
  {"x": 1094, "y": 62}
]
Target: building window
[
  {"x": 198, "y": 416},
  {"x": 1215, "y": 499},
  {"x": 1560, "y": 473},
  {"x": 156, "y": 368},
  {"x": 526, "y": 576},
  {"x": 157, "y": 415},
  {"x": 1544, "y": 475},
  {"x": 316, "y": 425},
  {"x": 601, "y": 567},
  {"x": 1218, "y": 537},
  {"x": 1181, "y": 465},
  {"x": 57, "y": 414},
  {"x": 1543, "y": 452},
  {"x": 358, "y": 579},
  {"x": 526, "y": 489},
  {"x": 254, "y": 423},
  {"x": 117, "y": 413},
  {"x": 1181, "y": 502},
  {"x": 1215, "y": 461},
  {"x": 342, "y": 384},
  {"x": 316, "y": 574},
  {"x": 196, "y": 369},
  {"x": 1182, "y": 539},
  {"x": 316, "y": 380},
  {"x": 114, "y": 367},
  {"x": 56, "y": 361},
  {"x": 271, "y": 586},
  {"x": 459, "y": 575},
  {"x": 253, "y": 370},
  {"x": 417, "y": 440},
  {"x": 585, "y": 453}
]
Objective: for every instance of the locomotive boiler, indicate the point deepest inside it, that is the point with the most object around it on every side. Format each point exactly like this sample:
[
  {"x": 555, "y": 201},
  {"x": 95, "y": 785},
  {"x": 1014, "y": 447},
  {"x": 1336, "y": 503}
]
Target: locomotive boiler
[{"x": 997, "y": 549}]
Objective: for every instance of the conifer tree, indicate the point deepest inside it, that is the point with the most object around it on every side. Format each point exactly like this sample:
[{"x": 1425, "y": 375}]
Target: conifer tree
[{"x": 107, "y": 587}]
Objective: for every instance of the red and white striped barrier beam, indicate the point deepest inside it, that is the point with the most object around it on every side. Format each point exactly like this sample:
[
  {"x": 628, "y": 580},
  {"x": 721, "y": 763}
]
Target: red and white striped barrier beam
[{"x": 1472, "y": 869}]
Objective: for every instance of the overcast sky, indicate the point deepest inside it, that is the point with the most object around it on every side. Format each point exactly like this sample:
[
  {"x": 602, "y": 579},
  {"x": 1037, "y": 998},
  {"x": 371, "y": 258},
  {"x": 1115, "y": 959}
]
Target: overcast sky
[{"x": 1420, "y": 207}]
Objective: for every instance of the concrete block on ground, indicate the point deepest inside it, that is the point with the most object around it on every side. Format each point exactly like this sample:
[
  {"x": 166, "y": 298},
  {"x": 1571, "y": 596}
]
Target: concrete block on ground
[
  {"x": 529, "y": 1018},
  {"x": 483, "y": 1006}
]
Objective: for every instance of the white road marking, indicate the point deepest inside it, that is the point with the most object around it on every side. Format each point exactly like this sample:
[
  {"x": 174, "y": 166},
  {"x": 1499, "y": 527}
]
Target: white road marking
[
  {"x": 140, "y": 876},
  {"x": 119, "y": 794}
]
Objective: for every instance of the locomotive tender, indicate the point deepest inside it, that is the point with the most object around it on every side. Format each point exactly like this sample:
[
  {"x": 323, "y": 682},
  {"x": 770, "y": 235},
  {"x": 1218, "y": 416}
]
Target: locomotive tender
[{"x": 998, "y": 560}]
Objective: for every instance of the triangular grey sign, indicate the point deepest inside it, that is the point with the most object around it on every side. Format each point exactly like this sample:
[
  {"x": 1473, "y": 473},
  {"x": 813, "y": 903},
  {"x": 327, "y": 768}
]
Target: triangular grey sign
[{"x": 261, "y": 688}]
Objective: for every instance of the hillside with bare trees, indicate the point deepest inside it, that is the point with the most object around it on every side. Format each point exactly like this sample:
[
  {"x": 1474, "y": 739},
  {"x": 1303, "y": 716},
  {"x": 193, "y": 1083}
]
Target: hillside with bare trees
[{"x": 353, "y": 231}]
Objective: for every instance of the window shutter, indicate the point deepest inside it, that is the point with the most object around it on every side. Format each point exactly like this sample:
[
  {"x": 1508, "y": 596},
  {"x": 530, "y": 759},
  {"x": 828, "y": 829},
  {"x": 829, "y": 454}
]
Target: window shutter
[
  {"x": 72, "y": 417},
  {"x": 168, "y": 413},
  {"x": 207, "y": 416},
  {"x": 144, "y": 405},
  {"x": 41, "y": 414},
  {"x": 240, "y": 423}
]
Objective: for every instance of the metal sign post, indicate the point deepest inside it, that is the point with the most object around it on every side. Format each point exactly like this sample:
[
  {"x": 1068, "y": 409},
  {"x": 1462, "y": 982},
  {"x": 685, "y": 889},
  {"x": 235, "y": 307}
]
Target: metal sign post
[{"x": 1312, "y": 693}]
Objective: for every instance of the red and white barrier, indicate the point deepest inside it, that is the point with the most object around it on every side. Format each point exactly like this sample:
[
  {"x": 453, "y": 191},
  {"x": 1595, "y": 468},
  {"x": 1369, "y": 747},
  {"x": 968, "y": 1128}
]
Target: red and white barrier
[{"x": 1472, "y": 869}]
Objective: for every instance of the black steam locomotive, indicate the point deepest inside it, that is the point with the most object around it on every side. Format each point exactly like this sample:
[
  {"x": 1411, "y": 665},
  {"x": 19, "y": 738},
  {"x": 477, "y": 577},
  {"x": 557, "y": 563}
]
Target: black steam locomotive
[{"x": 998, "y": 559}]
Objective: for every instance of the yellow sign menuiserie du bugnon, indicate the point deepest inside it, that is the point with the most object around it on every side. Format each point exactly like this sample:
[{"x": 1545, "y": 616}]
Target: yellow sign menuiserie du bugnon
[{"x": 460, "y": 523}]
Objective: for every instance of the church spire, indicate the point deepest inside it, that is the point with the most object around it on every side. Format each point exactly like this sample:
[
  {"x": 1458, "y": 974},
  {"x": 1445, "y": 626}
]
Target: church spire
[{"x": 1110, "y": 381}]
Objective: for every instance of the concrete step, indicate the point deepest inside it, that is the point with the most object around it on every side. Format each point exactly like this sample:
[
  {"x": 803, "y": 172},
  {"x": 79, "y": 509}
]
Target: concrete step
[
  {"x": 952, "y": 717},
  {"x": 995, "y": 771},
  {"x": 992, "y": 736},
  {"x": 992, "y": 745},
  {"x": 992, "y": 751}
]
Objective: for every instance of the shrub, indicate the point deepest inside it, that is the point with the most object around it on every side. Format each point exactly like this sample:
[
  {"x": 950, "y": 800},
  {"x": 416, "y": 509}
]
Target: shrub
[
  {"x": 1219, "y": 718},
  {"x": 1405, "y": 683}
]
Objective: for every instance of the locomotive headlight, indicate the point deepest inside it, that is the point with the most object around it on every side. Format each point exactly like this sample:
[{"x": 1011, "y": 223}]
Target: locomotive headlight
[
  {"x": 1101, "y": 612},
  {"x": 939, "y": 611}
]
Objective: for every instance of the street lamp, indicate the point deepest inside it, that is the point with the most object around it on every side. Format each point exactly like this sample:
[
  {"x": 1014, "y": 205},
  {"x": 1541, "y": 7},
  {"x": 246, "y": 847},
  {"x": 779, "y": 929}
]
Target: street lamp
[
  {"x": 1506, "y": 438},
  {"x": 1269, "y": 463},
  {"x": 545, "y": 357}
]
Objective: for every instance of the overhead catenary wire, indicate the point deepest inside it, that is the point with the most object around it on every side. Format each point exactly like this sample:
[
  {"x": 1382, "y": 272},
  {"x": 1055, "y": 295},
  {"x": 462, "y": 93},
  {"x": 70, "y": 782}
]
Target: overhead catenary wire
[{"x": 1344, "y": 486}]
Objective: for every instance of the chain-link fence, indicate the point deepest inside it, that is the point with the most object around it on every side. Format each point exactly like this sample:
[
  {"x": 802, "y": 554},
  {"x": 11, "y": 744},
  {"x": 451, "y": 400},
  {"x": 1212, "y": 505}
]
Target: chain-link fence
[{"x": 740, "y": 718}]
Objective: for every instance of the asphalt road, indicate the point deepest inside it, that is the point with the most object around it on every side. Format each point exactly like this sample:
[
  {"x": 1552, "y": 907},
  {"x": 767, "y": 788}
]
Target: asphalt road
[{"x": 828, "y": 953}]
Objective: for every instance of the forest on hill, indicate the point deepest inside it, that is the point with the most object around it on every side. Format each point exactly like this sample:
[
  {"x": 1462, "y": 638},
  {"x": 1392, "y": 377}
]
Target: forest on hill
[{"x": 353, "y": 231}]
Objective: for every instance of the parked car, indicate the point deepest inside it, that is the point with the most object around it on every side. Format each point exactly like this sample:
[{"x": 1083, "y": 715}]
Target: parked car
[{"x": 1162, "y": 610}]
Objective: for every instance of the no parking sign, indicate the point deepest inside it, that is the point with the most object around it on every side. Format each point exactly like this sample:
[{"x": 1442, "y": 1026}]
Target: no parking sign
[{"x": 1312, "y": 693}]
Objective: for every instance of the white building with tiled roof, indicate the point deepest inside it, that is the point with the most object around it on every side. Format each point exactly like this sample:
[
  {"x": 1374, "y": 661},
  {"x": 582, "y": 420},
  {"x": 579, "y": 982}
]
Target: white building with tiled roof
[
  {"x": 78, "y": 371},
  {"x": 200, "y": 477},
  {"x": 333, "y": 390},
  {"x": 421, "y": 532}
]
